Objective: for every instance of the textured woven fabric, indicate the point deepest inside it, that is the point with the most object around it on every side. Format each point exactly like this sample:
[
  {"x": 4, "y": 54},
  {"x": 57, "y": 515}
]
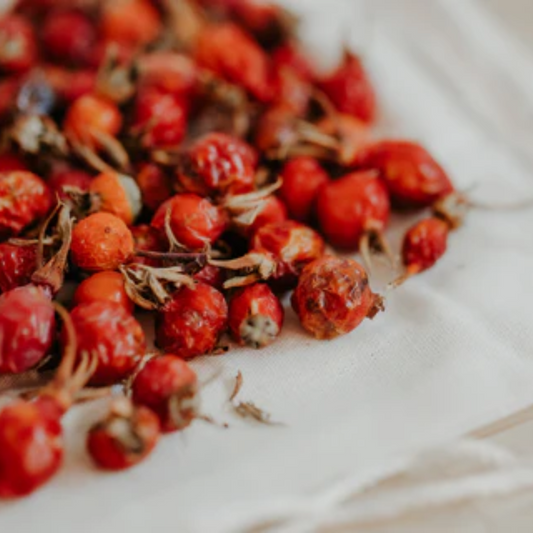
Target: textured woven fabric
[{"x": 451, "y": 353}]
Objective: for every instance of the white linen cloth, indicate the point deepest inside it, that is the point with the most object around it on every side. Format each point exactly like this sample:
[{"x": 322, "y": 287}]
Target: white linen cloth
[{"x": 452, "y": 352}]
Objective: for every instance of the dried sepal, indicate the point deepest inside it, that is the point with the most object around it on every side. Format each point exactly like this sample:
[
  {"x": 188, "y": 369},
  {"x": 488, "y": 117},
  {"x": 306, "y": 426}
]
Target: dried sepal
[
  {"x": 453, "y": 209},
  {"x": 250, "y": 268},
  {"x": 38, "y": 134}
]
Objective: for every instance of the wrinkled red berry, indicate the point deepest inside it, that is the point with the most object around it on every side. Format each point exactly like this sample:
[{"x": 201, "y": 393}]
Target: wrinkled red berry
[
  {"x": 303, "y": 178},
  {"x": 18, "y": 47},
  {"x": 210, "y": 275},
  {"x": 107, "y": 330},
  {"x": 17, "y": 264},
  {"x": 125, "y": 437},
  {"x": 255, "y": 316},
  {"x": 291, "y": 57},
  {"x": 154, "y": 184},
  {"x": 169, "y": 387},
  {"x": 148, "y": 239},
  {"x": 194, "y": 221},
  {"x": 272, "y": 212},
  {"x": 333, "y": 297},
  {"x": 192, "y": 322}
]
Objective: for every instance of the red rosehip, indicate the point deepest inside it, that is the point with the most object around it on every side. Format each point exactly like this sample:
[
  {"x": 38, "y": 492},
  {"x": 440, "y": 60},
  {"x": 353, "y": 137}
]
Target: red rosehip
[
  {"x": 104, "y": 287},
  {"x": 192, "y": 322},
  {"x": 412, "y": 175},
  {"x": 303, "y": 177},
  {"x": 62, "y": 180},
  {"x": 255, "y": 316},
  {"x": 31, "y": 447},
  {"x": 351, "y": 208},
  {"x": 169, "y": 387},
  {"x": 161, "y": 116},
  {"x": 18, "y": 47},
  {"x": 27, "y": 326},
  {"x": 117, "y": 194},
  {"x": 210, "y": 275},
  {"x": 17, "y": 264},
  {"x": 68, "y": 36},
  {"x": 194, "y": 221},
  {"x": 91, "y": 115},
  {"x": 125, "y": 437},
  {"x": 292, "y": 245},
  {"x": 333, "y": 297},
  {"x": 291, "y": 91},
  {"x": 70, "y": 85},
  {"x": 9, "y": 89},
  {"x": 218, "y": 164},
  {"x": 101, "y": 242},
  {"x": 350, "y": 89},
  {"x": 154, "y": 184},
  {"x": 131, "y": 22},
  {"x": 148, "y": 239},
  {"x": 11, "y": 162},
  {"x": 272, "y": 212},
  {"x": 231, "y": 53},
  {"x": 24, "y": 199},
  {"x": 289, "y": 56},
  {"x": 108, "y": 331}
]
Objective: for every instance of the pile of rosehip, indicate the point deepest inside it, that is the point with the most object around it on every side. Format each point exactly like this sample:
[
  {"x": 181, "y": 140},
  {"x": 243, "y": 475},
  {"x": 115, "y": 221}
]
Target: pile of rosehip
[{"x": 181, "y": 157}]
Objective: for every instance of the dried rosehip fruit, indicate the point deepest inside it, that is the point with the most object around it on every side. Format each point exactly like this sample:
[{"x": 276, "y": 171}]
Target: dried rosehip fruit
[
  {"x": 125, "y": 437},
  {"x": 255, "y": 316},
  {"x": 101, "y": 242},
  {"x": 154, "y": 184},
  {"x": 117, "y": 194},
  {"x": 169, "y": 387},
  {"x": 63, "y": 181},
  {"x": 27, "y": 326},
  {"x": 11, "y": 162},
  {"x": 350, "y": 89},
  {"x": 148, "y": 239},
  {"x": 217, "y": 164},
  {"x": 292, "y": 245},
  {"x": 104, "y": 287},
  {"x": 273, "y": 211},
  {"x": 68, "y": 36},
  {"x": 109, "y": 332},
  {"x": 231, "y": 53},
  {"x": 194, "y": 221},
  {"x": 333, "y": 297},
  {"x": 191, "y": 323},
  {"x": 303, "y": 178},
  {"x": 17, "y": 264},
  {"x": 24, "y": 199},
  {"x": 18, "y": 47},
  {"x": 412, "y": 175},
  {"x": 210, "y": 275},
  {"x": 353, "y": 208}
]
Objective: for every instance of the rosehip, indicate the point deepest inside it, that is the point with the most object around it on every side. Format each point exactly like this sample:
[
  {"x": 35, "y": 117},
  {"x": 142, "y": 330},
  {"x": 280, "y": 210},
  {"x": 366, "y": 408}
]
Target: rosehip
[
  {"x": 24, "y": 199},
  {"x": 291, "y": 57},
  {"x": 104, "y": 287},
  {"x": 11, "y": 162},
  {"x": 169, "y": 387},
  {"x": 18, "y": 47},
  {"x": 350, "y": 89},
  {"x": 292, "y": 245},
  {"x": 272, "y": 212},
  {"x": 161, "y": 116},
  {"x": 68, "y": 36},
  {"x": 148, "y": 239},
  {"x": 218, "y": 164},
  {"x": 125, "y": 438},
  {"x": 109, "y": 332},
  {"x": 70, "y": 85},
  {"x": 154, "y": 184},
  {"x": 231, "y": 53},
  {"x": 333, "y": 297},
  {"x": 291, "y": 91},
  {"x": 353, "y": 207},
  {"x": 9, "y": 89},
  {"x": 255, "y": 316},
  {"x": 191, "y": 323},
  {"x": 60, "y": 181},
  {"x": 210, "y": 275},
  {"x": 101, "y": 242},
  {"x": 117, "y": 194},
  {"x": 413, "y": 177},
  {"x": 27, "y": 326},
  {"x": 17, "y": 264},
  {"x": 302, "y": 179},
  {"x": 194, "y": 221}
]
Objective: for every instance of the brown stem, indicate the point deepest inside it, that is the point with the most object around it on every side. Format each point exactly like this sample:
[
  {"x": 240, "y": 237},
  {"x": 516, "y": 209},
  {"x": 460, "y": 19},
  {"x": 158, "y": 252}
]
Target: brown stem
[
  {"x": 174, "y": 256},
  {"x": 70, "y": 349}
]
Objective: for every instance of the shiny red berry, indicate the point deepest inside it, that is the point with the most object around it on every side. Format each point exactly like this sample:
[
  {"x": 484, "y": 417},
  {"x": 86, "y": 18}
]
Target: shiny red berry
[
  {"x": 155, "y": 185},
  {"x": 352, "y": 207},
  {"x": 27, "y": 327},
  {"x": 169, "y": 387},
  {"x": 217, "y": 164},
  {"x": 192, "y": 322},
  {"x": 17, "y": 264},
  {"x": 350, "y": 89},
  {"x": 63, "y": 181},
  {"x": 24, "y": 199},
  {"x": 273, "y": 211},
  {"x": 108, "y": 331},
  {"x": 125, "y": 437},
  {"x": 194, "y": 221},
  {"x": 18, "y": 46},
  {"x": 303, "y": 177},
  {"x": 10, "y": 162},
  {"x": 255, "y": 316},
  {"x": 333, "y": 297},
  {"x": 412, "y": 175},
  {"x": 211, "y": 275}
]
